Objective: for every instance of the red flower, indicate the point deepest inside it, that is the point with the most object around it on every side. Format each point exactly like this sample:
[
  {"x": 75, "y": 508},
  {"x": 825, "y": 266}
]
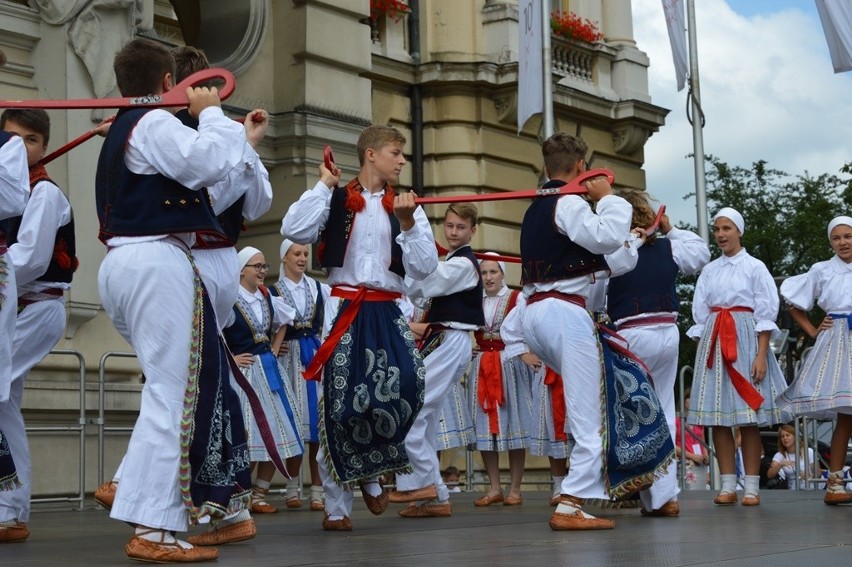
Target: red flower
[
  {"x": 571, "y": 26},
  {"x": 393, "y": 9}
]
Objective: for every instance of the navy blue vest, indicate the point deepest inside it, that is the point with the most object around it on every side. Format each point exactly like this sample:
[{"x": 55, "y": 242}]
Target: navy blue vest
[
  {"x": 547, "y": 255},
  {"x": 335, "y": 237},
  {"x": 649, "y": 287},
  {"x": 242, "y": 338},
  {"x": 462, "y": 306},
  {"x": 231, "y": 219},
  {"x": 63, "y": 263},
  {"x": 131, "y": 204},
  {"x": 312, "y": 329}
]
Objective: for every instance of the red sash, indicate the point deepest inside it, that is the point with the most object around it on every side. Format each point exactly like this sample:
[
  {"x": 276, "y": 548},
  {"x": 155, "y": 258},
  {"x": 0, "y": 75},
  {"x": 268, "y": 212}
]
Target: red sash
[
  {"x": 569, "y": 297},
  {"x": 725, "y": 331},
  {"x": 553, "y": 381},
  {"x": 344, "y": 321}
]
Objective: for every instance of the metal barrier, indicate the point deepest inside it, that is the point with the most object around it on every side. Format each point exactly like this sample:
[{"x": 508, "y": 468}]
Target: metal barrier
[
  {"x": 80, "y": 429},
  {"x": 101, "y": 422},
  {"x": 709, "y": 447}
]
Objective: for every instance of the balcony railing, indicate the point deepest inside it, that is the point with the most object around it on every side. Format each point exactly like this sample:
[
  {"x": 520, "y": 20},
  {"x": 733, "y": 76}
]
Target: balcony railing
[{"x": 573, "y": 59}]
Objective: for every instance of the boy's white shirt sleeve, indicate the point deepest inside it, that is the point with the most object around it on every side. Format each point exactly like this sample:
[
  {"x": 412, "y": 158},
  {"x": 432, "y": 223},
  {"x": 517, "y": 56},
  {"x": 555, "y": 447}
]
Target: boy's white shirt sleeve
[
  {"x": 14, "y": 178},
  {"x": 599, "y": 232},
  {"x": 512, "y": 329},
  {"x": 47, "y": 210},
  {"x": 160, "y": 143},
  {"x": 690, "y": 251},
  {"x": 452, "y": 276},
  {"x": 306, "y": 218},
  {"x": 419, "y": 254},
  {"x": 625, "y": 258}
]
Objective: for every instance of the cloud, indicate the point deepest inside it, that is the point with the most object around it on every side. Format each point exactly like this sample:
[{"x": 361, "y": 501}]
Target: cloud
[{"x": 768, "y": 92}]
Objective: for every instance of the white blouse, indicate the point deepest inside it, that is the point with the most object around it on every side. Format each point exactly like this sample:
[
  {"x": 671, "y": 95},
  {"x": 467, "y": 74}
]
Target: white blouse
[
  {"x": 828, "y": 283},
  {"x": 738, "y": 281}
]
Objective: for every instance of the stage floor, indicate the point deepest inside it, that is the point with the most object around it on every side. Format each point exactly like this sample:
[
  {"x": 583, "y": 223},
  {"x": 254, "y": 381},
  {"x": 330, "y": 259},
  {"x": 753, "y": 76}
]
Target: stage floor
[{"x": 789, "y": 528}]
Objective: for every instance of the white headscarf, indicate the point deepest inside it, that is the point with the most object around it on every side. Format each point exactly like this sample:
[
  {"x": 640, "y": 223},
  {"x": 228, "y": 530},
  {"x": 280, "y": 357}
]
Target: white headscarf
[
  {"x": 499, "y": 262},
  {"x": 734, "y": 216},
  {"x": 246, "y": 254},
  {"x": 837, "y": 221},
  {"x": 282, "y": 251}
]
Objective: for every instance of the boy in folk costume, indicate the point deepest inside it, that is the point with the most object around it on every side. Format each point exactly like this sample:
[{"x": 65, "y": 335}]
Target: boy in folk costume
[
  {"x": 14, "y": 192},
  {"x": 41, "y": 252},
  {"x": 455, "y": 289},
  {"x": 562, "y": 246},
  {"x": 370, "y": 239},
  {"x": 643, "y": 304},
  {"x": 295, "y": 345},
  {"x": 155, "y": 298}
]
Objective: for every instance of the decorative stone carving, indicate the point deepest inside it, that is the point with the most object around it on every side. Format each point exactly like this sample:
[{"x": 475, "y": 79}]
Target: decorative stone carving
[
  {"x": 629, "y": 138},
  {"x": 507, "y": 108}
]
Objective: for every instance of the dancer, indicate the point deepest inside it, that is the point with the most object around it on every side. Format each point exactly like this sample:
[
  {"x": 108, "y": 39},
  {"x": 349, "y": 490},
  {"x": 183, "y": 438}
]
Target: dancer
[
  {"x": 499, "y": 391},
  {"x": 455, "y": 291},
  {"x": 296, "y": 345},
  {"x": 643, "y": 304},
  {"x": 42, "y": 254},
  {"x": 14, "y": 191},
  {"x": 823, "y": 386},
  {"x": 371, "y": 238},
  {"x": 737, "y": 378}
]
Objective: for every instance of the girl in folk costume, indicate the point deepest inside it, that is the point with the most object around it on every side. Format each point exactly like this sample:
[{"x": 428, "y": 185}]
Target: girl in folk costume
[
  {"x": 823, "y": 387},
  {"x": 547, "y": 429},
  {"x": 643, "y": 304},
  {"x": 499, "y": 391},
  {"x": 736, "y": 376},
  {"x": 257, "y": 314},
  {"x": 296, "y": 345}
]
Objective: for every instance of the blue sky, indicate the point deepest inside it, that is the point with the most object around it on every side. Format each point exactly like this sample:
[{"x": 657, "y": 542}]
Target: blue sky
[{"x": 768, "y": 90}]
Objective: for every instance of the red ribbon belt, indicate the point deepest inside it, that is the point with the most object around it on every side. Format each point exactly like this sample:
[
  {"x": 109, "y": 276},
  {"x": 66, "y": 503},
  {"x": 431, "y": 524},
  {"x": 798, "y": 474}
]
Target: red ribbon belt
[
  {"x": 553, "y": 381},
  {"x": 489, "y": 384},
  {"x": 569, "y": 297},
  {"x": 725, "y": 331},
  {"x": 344, "y": 321}
]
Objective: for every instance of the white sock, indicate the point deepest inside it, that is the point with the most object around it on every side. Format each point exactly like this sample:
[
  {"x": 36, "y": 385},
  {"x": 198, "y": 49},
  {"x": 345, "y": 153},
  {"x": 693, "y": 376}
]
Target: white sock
[
  {"x": 372, "y": 487},
  {"x": 569, "y": 508},
  {"x": 9, "y": 523},
  {"x": 557, "y": 484},
  {"x": 729, "y": 483},
  {"x": 317, "y": 493},
  {"x": 752, "y": 485},
  {"x": 160, "y": 536},
  {"x": 292, "y": 488},
  {"x": 839, "y": 487},
  {"x": 335, "y": 517},
  {"x": 264, "y": 484}
]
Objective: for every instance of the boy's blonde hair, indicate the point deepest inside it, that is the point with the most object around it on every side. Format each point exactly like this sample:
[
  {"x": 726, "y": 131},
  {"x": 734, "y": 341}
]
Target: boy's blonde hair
[
  {"x": 467, "y": 211},
  {"x": 376, "y": 137}
]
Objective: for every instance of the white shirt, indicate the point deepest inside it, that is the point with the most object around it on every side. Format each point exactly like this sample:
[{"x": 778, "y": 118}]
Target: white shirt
[
  {"x": 737, "y": 281},
  {"x": 369, "y": 250},
  {"x": 601, "y": 232},
  {"x": 160, "y": 143},
  {"x": 788, "y": 472},
  {"x": 455, "y": 274},
  {"x": 47, "y": 210},
  {"x": 14, "y": 178},
  {"x": 249, "y": 178},
  {"x": 282, "y": 314},
  {"x": 297, "y": 292},
  {"x": 829, "y": 283}
]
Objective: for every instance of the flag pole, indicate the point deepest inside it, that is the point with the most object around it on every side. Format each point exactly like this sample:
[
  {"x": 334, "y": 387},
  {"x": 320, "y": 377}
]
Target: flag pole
[
  {"x": 547, "y": 71},
  {"x": 697, "y": 125}
]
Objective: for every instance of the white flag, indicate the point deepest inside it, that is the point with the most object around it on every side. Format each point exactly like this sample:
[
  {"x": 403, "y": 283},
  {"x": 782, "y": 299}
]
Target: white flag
[
  {"x": 530, "y": 77},
  {"x": 676, "y": 23},
  {"x": 836, "y": 16}
]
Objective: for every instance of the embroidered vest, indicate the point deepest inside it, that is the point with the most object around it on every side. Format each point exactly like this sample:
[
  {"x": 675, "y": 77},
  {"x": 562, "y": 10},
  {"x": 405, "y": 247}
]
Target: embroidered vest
[
  {"x": 649, "y": 287},
  {"x": 247, "y": 334},
  {"x": 310, "y": 323},
  {"x": 489, "y": 333},
  {"x": 548, "y": 255},
  {"x": 463, "y": 306},
  {"x": 132, "y": 204},
  {"x": 335, "y": 238}
]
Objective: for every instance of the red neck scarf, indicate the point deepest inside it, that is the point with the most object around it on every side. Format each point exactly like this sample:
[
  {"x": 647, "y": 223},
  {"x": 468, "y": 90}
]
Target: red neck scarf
[{"x": 355, "y": 200}]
